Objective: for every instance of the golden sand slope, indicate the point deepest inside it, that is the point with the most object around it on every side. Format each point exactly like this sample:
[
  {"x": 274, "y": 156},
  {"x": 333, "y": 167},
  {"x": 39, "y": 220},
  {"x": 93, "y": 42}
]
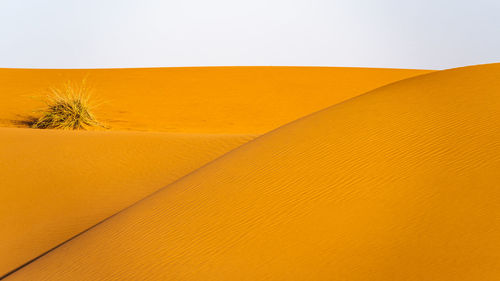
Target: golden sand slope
[
  {"x": 55, "y": 184},
  {"x": 397, "y": 184},
  {"x": 197, "y": 99}
]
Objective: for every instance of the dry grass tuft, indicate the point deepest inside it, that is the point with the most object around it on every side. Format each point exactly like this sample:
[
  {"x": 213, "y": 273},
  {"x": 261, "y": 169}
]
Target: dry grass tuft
[{"x": 68, "y": 108}]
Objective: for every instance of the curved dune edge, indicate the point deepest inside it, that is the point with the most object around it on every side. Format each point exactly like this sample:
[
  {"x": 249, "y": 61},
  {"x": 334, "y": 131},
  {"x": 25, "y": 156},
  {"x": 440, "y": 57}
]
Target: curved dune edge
[
  {"x": 243, "y": 100},
  {"x": 398, "y": 184},
  {"x": 23, "y": 196},
  {"x": 77, "y": 179}
]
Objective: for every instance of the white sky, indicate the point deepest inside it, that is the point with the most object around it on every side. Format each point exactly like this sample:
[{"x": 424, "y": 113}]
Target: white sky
[{"x": 433, "y": 34}]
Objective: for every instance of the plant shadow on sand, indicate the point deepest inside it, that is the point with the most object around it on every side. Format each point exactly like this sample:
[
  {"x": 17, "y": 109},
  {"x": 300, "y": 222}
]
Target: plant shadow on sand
[{"x": 24, "y": 121}]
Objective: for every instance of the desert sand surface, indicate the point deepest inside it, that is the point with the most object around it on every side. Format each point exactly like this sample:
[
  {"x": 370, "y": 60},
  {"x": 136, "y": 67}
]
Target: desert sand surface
[
  {"x": 244, "y": 100},
  {"x": 56, "y": 184},
  {"x": 400, "y": 183}
]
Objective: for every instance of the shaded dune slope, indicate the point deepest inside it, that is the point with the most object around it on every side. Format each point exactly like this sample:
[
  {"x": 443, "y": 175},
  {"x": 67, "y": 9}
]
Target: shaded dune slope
[
  {"x": 397, "y": 184},
  {"x": 80, "y": 178},
  {"x": 196, "y": 99},
  {"x": 57, "y": 184}
]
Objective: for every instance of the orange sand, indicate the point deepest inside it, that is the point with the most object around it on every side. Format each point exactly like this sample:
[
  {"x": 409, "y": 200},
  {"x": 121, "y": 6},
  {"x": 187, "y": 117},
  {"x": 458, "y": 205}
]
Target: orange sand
[
  {"x": 57, "y": 184},
  {"x": 397, "y": 184},
  {"x": 197, "y": 99}
]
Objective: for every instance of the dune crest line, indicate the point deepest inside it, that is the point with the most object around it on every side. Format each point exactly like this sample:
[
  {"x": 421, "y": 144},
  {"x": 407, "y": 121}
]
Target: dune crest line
[
  {"x": 60, "y": 200},
  {"x": 399, "y": 183}
]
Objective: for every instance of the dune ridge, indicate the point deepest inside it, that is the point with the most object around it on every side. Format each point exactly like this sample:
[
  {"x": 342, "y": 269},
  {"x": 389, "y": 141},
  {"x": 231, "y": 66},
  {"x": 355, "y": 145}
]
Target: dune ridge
[
  {"x": 397, "y": 184},
  {"x": 49, "y": 198},
  {"x": 80, "y": 178}
]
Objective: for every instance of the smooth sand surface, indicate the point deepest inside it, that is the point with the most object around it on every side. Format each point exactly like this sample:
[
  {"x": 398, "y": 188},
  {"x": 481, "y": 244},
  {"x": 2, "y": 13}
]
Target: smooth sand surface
[
  {"x": 224, "y": 100},
  {"x": 56, "y": 184},
  {"x": 397, "y": 184}
]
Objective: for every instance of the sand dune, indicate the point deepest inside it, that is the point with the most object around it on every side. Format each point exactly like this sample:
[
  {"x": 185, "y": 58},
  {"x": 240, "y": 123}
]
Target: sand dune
[
  {"x": 56, "y": 184},
  {"x": 397, "y": 184},
  {"x": 196, "y": 99}
]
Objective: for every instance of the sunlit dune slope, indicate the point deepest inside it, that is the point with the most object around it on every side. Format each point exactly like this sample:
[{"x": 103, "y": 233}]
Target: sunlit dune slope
[
  {"x": 398, "y": 184},
  {"x": 55, "y": 184},
  {"x": 196, "y": 99}
]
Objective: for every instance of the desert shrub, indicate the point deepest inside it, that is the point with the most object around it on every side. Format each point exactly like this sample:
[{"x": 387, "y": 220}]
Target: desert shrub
[{"x": 69, "y": 108}]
